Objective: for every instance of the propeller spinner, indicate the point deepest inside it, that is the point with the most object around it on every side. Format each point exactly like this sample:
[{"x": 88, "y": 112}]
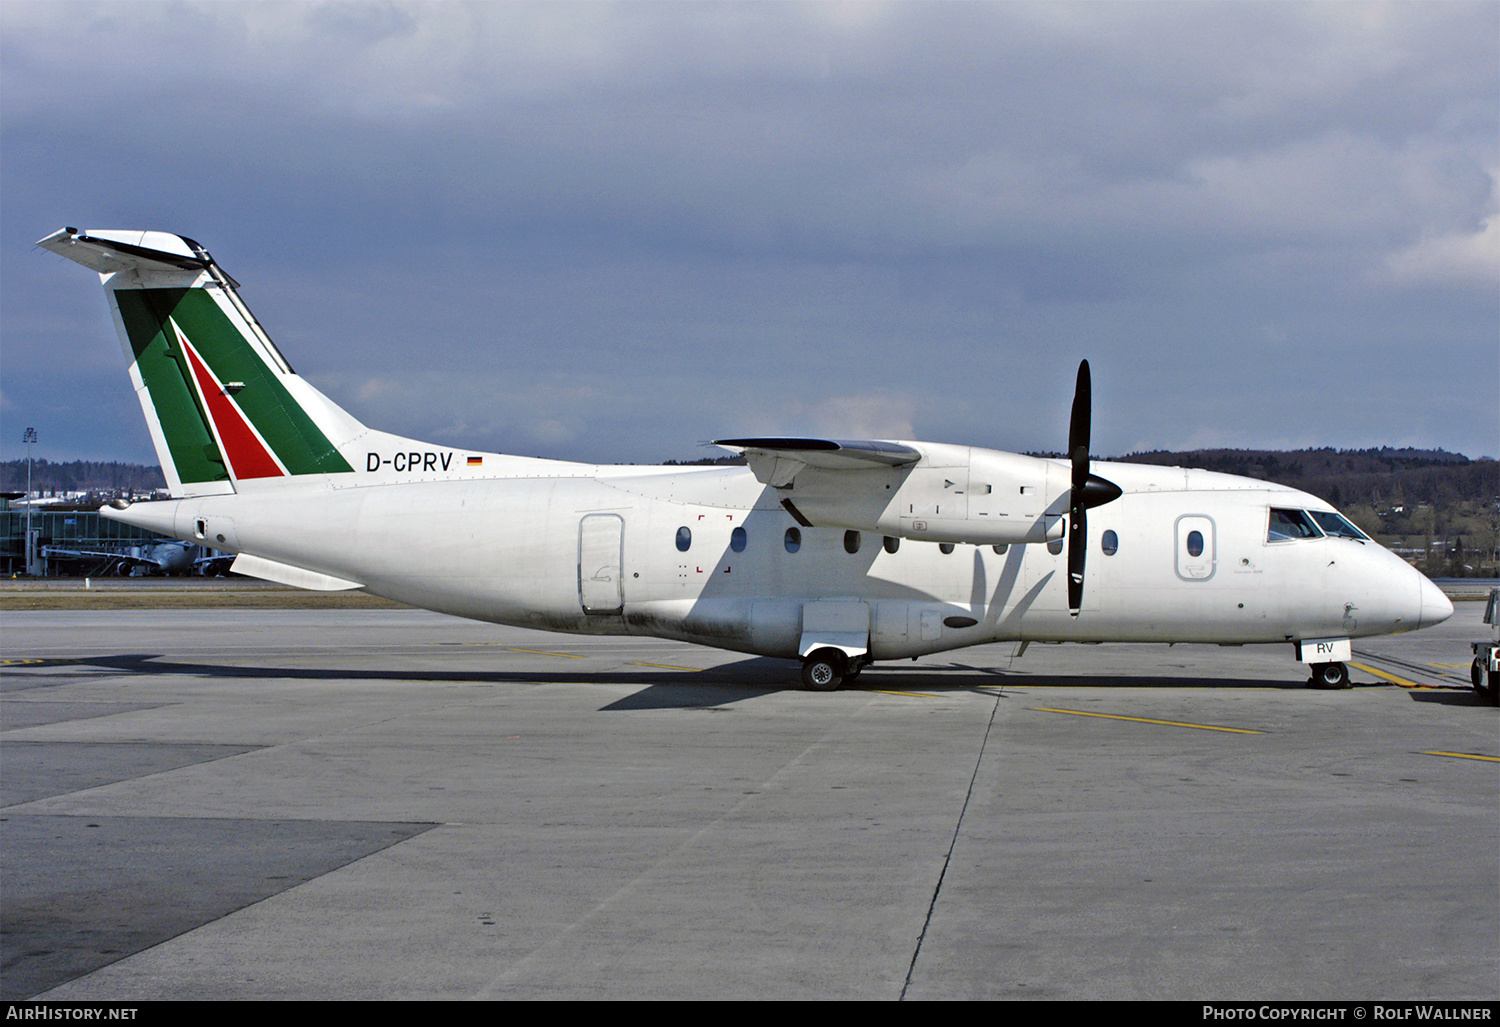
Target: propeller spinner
[{"x": 1089, "y": 490}]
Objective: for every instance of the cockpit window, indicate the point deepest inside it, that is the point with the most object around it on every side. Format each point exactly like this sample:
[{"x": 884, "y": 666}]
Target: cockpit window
[
  {"x": 1336, "y": 525},
  {"x": 1291, "y": 524}
]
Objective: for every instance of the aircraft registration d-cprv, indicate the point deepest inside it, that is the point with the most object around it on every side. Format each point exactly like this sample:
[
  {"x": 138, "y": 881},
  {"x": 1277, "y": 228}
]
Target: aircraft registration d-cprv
[{"x": 836, "y": 552}]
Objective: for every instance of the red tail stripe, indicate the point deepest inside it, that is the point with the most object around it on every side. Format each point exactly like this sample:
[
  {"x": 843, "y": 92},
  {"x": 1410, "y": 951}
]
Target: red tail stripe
[{"x": 247, "y": 457}]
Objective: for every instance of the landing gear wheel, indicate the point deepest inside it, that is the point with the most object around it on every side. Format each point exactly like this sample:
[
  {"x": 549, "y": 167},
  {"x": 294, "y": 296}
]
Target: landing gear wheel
[
  {"x": 823, "y": 670},
  {"x": 1329, "y": 675}
]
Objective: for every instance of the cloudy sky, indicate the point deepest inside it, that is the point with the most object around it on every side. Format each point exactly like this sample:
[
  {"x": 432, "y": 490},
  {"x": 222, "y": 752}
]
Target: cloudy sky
[{"x": 610, "y": 231}]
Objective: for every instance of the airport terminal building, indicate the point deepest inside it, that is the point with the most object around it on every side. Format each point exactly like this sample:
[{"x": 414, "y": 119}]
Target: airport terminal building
[{"x": 72, "y": 540}]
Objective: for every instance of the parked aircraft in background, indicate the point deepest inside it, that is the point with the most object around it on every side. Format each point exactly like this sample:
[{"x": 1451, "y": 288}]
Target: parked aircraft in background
[
  {"x": 836, "y": 552},
  {"x": 165, "y": 556}
]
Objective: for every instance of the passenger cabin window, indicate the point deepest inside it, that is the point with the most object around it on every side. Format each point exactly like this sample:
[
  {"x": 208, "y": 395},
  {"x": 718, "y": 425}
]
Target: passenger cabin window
[
  {"x": 737, "y": 540},
  {"x": 1336, "y": 525},
  {"x": 945, "y": 547},
  {"x": 1055, "y": 546},
  {"x": 1195, "y": 543},
  {"x": 793, "y": 540},
  {"x": 891, "y": 543},
  {"x": 684, "y": 538},
  {"x": 1288, "y": 525},
  {"x": 1001, "y": 549},
  {"x": 851, "y": 542},
  {"x": 1109, "y": 542}
]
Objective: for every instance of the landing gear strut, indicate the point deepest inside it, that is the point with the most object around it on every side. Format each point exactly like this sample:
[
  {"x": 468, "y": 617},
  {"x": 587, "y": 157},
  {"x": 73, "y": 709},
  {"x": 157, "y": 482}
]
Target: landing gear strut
[
  {"x": 823, "y": 670},
  {"x": 1329, "y": 675}
]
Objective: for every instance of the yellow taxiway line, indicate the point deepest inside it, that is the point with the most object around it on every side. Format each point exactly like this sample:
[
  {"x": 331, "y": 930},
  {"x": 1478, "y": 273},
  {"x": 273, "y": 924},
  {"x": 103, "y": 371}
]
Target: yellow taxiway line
[
  {"x": 1393, "y": 679},
  {"x": 1147, "y": 720}
]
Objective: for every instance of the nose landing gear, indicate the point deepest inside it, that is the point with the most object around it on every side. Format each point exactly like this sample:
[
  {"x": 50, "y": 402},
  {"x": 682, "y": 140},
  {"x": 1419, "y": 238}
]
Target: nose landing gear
[{"x": 1329, "y": 675}]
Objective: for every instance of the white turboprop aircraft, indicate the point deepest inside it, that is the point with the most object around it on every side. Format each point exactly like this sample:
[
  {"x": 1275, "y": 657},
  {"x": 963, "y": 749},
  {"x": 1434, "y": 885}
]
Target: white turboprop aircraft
[{"x": 836, "y": 552}]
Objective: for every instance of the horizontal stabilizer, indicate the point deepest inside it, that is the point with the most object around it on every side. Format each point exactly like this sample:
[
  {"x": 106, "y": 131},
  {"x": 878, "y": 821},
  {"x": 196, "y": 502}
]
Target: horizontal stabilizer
[{"x": 109, "y": 252}]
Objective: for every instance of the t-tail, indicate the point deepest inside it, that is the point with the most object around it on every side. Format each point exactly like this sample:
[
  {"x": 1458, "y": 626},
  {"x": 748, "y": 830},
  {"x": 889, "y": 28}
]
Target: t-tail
[{"x": 225, "y": 410}]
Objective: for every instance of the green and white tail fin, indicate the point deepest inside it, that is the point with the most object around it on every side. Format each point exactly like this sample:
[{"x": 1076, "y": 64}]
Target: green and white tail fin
[{"x": 223, "y": 405}]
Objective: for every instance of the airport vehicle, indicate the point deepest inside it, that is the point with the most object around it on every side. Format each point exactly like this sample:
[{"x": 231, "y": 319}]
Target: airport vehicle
[
  {"x": 835, "y": 552},
  {"x": 1484, "y": 673}
]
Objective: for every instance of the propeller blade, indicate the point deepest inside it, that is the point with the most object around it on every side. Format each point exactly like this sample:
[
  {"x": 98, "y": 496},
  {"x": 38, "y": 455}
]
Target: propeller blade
[
  {"x": 1078, "y": 533},
  {"x": 1078, "y": 427},
  {"x": 1088, "y": 489}
]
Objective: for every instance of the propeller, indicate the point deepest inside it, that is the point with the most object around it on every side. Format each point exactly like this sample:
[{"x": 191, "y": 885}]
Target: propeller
[{"x": 1089, "y": 490}]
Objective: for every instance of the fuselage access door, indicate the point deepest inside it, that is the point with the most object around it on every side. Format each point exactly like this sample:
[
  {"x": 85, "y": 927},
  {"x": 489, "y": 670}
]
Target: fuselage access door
[{"x": 601, "y": 540}]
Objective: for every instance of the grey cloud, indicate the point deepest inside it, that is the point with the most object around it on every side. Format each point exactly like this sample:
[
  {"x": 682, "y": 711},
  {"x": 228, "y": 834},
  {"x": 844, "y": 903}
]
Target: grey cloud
[{"x": 789, "y": 204}]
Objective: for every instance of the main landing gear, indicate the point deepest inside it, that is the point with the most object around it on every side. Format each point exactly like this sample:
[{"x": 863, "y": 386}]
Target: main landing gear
[
  {"x": 824, "y": 670},
  {"x": 1329, "y": 675}
]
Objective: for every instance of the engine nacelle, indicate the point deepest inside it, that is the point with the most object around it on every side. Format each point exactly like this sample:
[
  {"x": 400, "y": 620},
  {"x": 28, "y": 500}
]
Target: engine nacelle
[{"x": 952, "y": 494}]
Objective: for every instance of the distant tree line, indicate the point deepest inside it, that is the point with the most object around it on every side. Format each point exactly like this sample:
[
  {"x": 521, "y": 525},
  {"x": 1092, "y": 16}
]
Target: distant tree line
[
  {"x": 80, "y": 476},
  {"x": 1381, "y": 478}
]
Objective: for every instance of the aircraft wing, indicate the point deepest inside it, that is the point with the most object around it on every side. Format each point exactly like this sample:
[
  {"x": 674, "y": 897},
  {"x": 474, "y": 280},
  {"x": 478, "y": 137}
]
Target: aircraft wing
[
  {"x": 78, "y": 553},
  {"x": 126, "y": 559},
  {"x": 776, "y": 461}
]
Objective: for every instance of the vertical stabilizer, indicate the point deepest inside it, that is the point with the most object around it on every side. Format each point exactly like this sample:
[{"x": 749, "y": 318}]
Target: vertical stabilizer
[{"x": 224, "y": 407}]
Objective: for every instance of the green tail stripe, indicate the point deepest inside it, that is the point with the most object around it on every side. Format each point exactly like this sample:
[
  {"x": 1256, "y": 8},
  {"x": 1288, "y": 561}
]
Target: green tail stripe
[
  {"x": 161, "y": 365},
  {"x": 291, "y": 434}
]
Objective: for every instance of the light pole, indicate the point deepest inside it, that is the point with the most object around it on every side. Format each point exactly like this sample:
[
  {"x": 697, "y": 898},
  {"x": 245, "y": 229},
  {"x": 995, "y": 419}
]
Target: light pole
[{"x": 29, "y": 438}]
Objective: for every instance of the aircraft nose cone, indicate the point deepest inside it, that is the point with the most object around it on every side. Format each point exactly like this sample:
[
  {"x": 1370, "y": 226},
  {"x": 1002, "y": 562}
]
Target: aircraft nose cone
[{"x": 1436, "y": 607}]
